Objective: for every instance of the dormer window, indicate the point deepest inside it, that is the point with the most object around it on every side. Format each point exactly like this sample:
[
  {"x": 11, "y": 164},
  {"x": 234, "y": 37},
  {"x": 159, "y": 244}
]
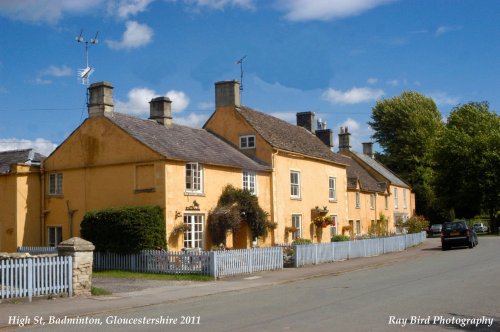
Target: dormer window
[{"x": 247, "y": 142}]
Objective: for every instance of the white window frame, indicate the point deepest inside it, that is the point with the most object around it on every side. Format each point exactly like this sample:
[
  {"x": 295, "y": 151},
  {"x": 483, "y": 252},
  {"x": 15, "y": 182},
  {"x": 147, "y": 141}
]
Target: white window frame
[
  {"x": 395, "y": 198},
  {"x": 57, "y": 236},
  {"x": 195, "y": 178},
  {"x": 404, "y": 199},
  {"x": 358, "y": 200},
  {"x": 250, "y": 182},
  {"x": 372, "y": 201},
  {"x": 358, "y": 227},
  {"x": 332, "y": 188},
  {"x": 295, "y": 186},
  {"x": 333, "y": 229},
  {"x": 247, "y": 142},
  {"x": 297, "y": 223},
  {"x": 194, "y": 238},
  {"x": 55, "y": 184}
]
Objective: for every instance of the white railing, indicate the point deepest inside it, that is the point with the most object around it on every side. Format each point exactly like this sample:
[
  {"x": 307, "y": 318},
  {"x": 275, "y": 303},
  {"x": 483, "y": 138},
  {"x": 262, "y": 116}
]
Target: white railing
[
  {"x": 154, "y": 261},
  {"x": 37, "y": 250},
  {"x": 35, "y": 276},
  {"x": 338, "y": 251},
  {"x": 234, "y": 262}
]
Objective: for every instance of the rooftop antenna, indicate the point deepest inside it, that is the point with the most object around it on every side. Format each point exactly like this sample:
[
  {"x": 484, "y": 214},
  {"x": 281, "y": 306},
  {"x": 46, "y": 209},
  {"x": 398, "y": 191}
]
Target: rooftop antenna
[
  {"x": 84, "y": 74},
  {"x": 240, "y": 62}
]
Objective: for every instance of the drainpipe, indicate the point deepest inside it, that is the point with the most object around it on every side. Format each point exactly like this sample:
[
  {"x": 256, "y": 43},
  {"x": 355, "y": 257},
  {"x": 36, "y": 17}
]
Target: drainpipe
[
  {"x": 274, "y": 192},
  {"x": 42, "y": 203}
]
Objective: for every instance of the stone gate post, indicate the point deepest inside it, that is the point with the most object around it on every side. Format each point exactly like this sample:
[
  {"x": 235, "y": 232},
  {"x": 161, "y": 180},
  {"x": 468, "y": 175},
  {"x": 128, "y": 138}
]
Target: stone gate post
[{"x": 82, "y": 253}]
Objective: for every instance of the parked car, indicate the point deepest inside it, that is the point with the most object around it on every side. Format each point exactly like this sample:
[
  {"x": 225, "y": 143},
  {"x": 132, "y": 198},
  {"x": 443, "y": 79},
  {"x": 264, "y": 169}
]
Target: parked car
[
  {"x": 457, "y": 233},
  {"x": 434, "y": 229},
  {"x": 480, "y": 227}
]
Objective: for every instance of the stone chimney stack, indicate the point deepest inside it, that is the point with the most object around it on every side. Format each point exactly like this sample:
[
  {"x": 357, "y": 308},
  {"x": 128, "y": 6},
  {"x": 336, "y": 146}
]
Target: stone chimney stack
[
  {"x": 344, "y": 144},
  {"x": 160, "y": 110},
  {"x": 100, "y": 99},
  {"x": 326, "y": 136},
  {"x": 227, "y": 93},
  {"x": 306, "y": 120},
  {"x": 368, "y": 149}
]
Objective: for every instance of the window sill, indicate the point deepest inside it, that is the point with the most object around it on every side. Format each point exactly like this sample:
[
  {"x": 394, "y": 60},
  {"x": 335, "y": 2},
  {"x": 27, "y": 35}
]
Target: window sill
[
  {"x": 332, "y": 200},
  {"x": 145, "y": 190},
  {"x": 296, "y": 198},
  {"x": 55, "y": 195},
  {"x": 358, "y": 207},
  {"x": 193, "y": 193}
]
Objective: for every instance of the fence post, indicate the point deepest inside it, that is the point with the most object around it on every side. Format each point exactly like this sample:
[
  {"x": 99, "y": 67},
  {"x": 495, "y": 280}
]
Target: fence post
[
  {"x": 250, "y": 264},
  {"x": 213, "y": 264},
  {"x": 82, "y": 254},
  {"x": 295, "y": 256},
  {"x": 349, "y": 250},
  {"x": 29, "y": 267}
]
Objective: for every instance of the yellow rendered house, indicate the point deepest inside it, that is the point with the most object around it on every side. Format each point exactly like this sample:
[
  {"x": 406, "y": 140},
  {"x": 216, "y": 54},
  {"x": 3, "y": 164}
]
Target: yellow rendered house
[
  {"x": 19, "y": 199},
  {"x": 114, "y": 160},
  {"x": 307, "y": 179}
]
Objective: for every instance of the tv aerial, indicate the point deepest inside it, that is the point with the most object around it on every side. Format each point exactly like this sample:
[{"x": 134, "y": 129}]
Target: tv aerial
[
  {"x": 84, "y": 74},
  {"x": 240, "y": 62}
]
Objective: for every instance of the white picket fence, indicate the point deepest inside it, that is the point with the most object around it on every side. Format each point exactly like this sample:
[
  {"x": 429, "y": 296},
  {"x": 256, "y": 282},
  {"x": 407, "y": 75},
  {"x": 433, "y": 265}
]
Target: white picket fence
[
  {"x": 234, "y": 262},
  {"x": 338, "y": 251},
  {"x": 35, "y": 276},
  {"x": 154, "y": 261},
  {"x": 37, "y": 250}
]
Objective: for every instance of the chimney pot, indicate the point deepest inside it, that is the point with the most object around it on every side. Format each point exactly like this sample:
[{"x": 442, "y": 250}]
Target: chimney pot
[
  {"x": 160, "y": 110},
  {"x": 227, "y": 93},
  {"x": 306, "y": 120},
  {"x": 100, "y": 99}
]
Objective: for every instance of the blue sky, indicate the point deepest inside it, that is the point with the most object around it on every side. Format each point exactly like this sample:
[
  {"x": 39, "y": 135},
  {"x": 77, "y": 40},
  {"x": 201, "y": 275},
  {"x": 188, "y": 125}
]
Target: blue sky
[{"x": 333, "y": 57}]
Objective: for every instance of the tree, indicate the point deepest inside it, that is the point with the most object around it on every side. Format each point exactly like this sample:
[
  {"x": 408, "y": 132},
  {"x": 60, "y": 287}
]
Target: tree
[
  {"x": 467, "y": 156},
  {"x": 406, "y": 127}
]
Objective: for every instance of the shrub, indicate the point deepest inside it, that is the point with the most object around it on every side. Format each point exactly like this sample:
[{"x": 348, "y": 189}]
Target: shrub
[
  {"x": 415, "y": 224},
  {"x": 126, "y": 229},
  {"x": 340, "y": 238},
  {"x": 300, "y": 241}
]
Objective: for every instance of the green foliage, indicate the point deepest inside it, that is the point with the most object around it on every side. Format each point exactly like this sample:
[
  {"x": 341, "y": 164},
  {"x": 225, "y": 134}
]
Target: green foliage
[
  {"x": 125, "y": 230},
  {"x": 406, "y": 128},
  {"x": 236, "y": 205},
  {"x": 379, "y": 227},
  {"x": 340, "y": 238},
  {"x": 415, "y": 224},
  {"x": 467, "y": 157},
  {"x": 300, "y": 241}
]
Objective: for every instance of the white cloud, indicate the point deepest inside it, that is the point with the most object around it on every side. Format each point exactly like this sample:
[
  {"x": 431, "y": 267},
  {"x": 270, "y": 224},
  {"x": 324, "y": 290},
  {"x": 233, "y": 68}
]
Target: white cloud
[
  {"x": 285, "y": 116},
  {"x": 325, "y": 10},
  {"x": 45, "y": 11},
  {"x": 359, "y": 134},
  {"x": 353, "y": 96},
  {"x": 372, "y": 80},
  {"x": 40, "y": 145},
  {"x": 221, "y": 4},
  {"x": 206, "y": 105},
  {"x": 393, "y": 82},
  {"x": 58, "y": 71},
  {"x": 192, "y": 120},
  {"x": 139, "y": 98},
  {"x": 126, "y": 8},
  {"x": 41, "y": 81},
  {"x": 442, "y": 98},
  {"x": 445, "y": 29},
  {"x": 136, "y": 35}
]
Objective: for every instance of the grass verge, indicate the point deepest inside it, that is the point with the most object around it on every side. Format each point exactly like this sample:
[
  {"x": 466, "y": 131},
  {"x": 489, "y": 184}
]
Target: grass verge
[
  {"x": 150, "y": 276},
  {"x": 99, "y": 291}
]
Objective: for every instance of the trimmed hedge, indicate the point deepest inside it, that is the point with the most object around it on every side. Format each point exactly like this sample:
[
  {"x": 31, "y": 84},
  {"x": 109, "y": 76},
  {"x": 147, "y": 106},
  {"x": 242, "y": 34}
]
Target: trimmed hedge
[
  {"x": 340, "y": 238},
  {"x": 126, "y": 229}
]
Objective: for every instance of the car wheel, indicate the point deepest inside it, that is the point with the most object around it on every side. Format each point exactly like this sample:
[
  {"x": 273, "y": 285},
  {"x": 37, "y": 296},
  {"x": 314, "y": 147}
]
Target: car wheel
[
  {"x": 444, "y": 248},
  {"x": 471, "y": 244}
]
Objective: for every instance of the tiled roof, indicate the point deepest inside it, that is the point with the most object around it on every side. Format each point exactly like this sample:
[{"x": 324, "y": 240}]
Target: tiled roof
[
  {"x": 11, "y": 157},
  {"x": 382, "y": 170},
  {"x": 184, "y": 143},
  {"x": 285, "y": 136},
  {"x": 357, "y": 173}
]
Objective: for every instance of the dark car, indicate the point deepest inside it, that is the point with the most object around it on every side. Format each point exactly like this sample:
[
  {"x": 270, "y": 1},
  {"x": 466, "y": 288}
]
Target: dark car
[
  {"x": 435, "y": 230},
  {"x": 457, "y": 234}
]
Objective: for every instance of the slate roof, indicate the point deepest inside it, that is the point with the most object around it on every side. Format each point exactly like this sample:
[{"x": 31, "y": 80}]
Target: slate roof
[
  {"x": 357, "y": 173},
  {"x": 285, "y": 136},
  {"x": 382, "y": 170},
  {"x": 185, "y": 143},
  {"x": 11, "y": 157}
]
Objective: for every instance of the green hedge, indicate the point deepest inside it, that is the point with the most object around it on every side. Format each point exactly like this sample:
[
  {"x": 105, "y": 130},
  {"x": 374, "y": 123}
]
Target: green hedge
[
  {"x": 340, "y": 238},
  {"x": 126, "y": 229}
]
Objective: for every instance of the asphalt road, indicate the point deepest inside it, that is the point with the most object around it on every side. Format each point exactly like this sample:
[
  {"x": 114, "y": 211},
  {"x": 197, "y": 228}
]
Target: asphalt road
[{"x": 454, "y": 285}]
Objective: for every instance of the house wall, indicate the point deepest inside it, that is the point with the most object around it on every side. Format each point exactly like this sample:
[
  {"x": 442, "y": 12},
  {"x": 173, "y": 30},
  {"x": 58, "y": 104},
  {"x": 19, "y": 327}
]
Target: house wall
[
  {"x": 365, "y": 214},
  {"x": 19, "y": 208},
  {"x": 314, "y": 182}
]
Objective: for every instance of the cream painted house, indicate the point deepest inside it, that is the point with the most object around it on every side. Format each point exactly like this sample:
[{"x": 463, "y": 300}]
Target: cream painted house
[
  {"x": 307, "y": 178},
  {"x": 114, "y": 160}
]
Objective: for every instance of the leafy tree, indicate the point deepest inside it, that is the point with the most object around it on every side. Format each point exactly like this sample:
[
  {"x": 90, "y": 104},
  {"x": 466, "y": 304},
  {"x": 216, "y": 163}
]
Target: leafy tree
[
  {"x": 406, "y": 127},
  {"x": 467, "y": 160}
]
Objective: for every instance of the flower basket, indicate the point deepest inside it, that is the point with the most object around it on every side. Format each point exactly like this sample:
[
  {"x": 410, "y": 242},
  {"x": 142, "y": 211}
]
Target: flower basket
[
  {"x": 291, "y": 229},
  {"x": 181, "y": 228},
  {"x": 323, "y": 222}
]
